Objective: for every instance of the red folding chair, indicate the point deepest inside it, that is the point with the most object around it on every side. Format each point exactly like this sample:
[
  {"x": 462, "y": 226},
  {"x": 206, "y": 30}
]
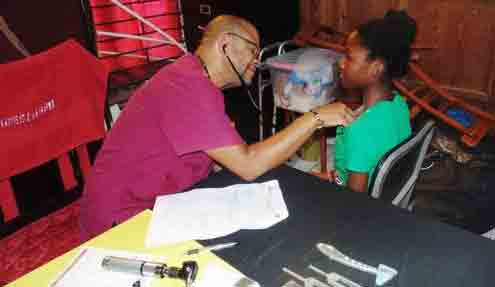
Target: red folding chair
[{"x": 52, "y": 104}]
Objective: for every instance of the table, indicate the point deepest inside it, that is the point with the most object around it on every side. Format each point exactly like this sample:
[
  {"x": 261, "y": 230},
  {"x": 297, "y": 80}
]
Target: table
[
  {"x": 425, "y": 252},
  {"x": 128, "y": 236}
]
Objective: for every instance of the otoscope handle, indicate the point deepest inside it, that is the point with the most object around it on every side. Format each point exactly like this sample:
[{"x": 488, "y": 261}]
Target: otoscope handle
[{"x": 134, "y": 266}]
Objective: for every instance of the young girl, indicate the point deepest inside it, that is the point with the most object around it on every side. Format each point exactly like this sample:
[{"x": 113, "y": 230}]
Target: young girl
[{"x": 376, "y": 53}]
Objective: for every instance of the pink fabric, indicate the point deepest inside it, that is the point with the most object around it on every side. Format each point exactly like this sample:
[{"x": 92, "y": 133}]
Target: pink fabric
[{"x": 157, "y": 146}]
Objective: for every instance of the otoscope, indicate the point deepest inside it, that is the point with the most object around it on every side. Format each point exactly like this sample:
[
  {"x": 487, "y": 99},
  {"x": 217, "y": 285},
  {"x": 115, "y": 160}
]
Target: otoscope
[{"x": 151, "y": 269}]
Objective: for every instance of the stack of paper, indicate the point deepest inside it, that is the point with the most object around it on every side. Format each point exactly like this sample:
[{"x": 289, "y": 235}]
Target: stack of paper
[
  {"x": 213, "y": 212},
  {"x": 86, "y": 270}
]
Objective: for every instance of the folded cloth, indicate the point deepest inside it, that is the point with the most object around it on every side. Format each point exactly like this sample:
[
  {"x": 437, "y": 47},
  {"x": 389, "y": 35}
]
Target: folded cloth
[{"x": 51, "y": 102}]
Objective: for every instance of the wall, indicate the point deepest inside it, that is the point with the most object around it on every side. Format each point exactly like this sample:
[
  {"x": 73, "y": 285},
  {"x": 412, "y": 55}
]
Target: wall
[
  {"x": 42, "y": 24},
  {"x": 271, "y": 30},
  {"x": 122, "y": 53},
  {"x": 461, "y": 34}
]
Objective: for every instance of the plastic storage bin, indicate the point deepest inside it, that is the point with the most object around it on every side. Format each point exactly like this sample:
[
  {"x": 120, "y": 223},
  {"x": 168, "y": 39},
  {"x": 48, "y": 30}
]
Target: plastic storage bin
[{"x": 304, "y": 78}]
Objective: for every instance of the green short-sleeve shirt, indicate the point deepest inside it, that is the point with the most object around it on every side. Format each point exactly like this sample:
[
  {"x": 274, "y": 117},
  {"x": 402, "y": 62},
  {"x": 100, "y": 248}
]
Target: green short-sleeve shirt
[{"x": 359, "y": 146}]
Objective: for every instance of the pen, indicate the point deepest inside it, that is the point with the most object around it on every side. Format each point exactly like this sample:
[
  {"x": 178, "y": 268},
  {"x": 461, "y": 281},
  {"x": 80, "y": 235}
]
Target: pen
[
  {"x": 211, "y": 248},
  {"x": 71, "y": 265}
]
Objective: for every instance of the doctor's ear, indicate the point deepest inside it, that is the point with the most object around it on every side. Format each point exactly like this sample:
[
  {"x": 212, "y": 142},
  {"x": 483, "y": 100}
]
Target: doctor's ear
[{"x": 222, "y": 43}]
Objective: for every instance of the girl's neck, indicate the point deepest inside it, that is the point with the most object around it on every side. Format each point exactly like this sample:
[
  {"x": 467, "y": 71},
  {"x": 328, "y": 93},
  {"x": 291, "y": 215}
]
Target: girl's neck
[{"x": 374, "y": 94}]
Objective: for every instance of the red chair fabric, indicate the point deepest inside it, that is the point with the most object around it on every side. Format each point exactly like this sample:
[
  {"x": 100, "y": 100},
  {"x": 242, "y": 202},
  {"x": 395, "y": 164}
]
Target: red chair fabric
[
  {"x": 51, "y": 103},
  {"x": 38, "y": 243}
]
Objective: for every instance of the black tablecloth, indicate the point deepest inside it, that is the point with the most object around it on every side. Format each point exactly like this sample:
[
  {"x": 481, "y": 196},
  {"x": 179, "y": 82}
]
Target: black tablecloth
[{"x": 425, "y": 252}]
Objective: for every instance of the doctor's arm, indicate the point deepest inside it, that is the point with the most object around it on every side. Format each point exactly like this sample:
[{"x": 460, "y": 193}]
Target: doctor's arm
[{"x": 251, "y": 161}]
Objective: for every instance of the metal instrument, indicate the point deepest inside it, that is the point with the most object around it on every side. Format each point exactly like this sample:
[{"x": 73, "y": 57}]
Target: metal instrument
[
  {"x": 143, "y": 268},
  {"x": 383, "y": 272}
]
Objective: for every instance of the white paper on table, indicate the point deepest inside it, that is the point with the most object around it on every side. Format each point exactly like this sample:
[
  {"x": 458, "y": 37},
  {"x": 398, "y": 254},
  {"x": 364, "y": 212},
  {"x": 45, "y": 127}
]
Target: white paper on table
[
  {"x": 261, "y": 208},
  {"x": 86, "y": 270},
  {"x": 217, "y": 276},
  {"x": 214, "y": 212}
]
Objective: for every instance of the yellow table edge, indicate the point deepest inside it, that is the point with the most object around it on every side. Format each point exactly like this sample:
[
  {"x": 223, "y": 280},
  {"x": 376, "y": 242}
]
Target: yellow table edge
[{"x": 128, "y": 236}]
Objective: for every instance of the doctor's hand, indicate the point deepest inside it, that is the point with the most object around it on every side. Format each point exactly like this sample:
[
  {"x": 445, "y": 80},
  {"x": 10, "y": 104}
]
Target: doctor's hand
[{"x": 336, "y": 114}]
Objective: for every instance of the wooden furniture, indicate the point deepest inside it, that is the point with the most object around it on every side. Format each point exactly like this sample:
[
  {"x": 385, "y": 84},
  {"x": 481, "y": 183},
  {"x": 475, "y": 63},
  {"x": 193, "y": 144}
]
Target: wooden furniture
[{"x": 432, "y": 98}]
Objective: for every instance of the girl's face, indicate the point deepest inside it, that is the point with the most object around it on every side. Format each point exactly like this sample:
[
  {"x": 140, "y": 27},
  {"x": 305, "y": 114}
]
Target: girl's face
[{"x": 356, "y": 69}]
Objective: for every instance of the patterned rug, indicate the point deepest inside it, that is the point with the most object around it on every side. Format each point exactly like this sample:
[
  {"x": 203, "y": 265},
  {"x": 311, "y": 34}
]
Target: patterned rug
[{"x": 39, "y": 242}]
